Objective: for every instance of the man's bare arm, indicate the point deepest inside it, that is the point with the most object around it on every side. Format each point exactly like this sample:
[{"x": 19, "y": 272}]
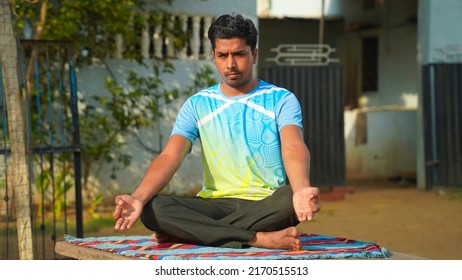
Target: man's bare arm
[
  {"x": 128, "y": 208},
  {"x": 296, "y": 157},
  {"x": 162, "y": 168}
]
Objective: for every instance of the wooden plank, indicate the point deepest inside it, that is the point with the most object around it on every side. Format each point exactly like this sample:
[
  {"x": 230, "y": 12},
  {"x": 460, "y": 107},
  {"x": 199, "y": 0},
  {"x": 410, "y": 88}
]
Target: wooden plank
[
  {"x": 402, "y": 256},
  {"x": 82, "y": 253}
]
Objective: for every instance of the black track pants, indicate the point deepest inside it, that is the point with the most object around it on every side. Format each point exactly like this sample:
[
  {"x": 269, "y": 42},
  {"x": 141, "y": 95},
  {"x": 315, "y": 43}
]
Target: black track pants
[{"x": 225, "y": 222}]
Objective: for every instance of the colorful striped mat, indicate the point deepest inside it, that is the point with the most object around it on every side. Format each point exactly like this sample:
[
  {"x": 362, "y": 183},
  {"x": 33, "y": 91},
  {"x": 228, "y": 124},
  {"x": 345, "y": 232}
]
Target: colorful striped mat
[{"x": 313, "y": 247}]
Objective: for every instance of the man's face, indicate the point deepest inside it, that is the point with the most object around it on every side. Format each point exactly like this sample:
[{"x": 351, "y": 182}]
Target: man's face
[{"x": 234, "y": 60}]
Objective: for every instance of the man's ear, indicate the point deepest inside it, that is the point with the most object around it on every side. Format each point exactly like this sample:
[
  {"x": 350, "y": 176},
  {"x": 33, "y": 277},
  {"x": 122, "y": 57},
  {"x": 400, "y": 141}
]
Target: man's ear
[{"x": 255, "y": 55}]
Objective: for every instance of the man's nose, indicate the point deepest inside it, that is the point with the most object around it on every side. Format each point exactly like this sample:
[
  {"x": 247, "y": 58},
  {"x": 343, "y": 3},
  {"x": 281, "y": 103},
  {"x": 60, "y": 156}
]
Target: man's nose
[{"x": 230, "y": 62}]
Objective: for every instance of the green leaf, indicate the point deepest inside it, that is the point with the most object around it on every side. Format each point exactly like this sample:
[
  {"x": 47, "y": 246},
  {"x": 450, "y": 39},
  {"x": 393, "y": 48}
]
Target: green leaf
[{"x": 43, "y": 181}]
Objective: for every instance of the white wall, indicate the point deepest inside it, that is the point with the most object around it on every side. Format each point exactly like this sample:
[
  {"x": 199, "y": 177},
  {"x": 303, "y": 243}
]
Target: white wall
[
  {"x": 391, "y": 149},
  {"x": 299, "y": 8},
  {"x": 440, "y": 35},
  {"x": 390, "y": 146},
  {"x": 247, "y": 8},
  {"x": 397, "y": 69}
]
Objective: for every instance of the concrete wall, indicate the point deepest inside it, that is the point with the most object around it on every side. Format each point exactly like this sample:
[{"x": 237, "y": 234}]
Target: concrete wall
[
  {"x": 440, "y": 38},
  {"x": 247, "y": 8},
  {"x": 408, "y": 40},
  {"x": 391, "y": 112},
  {"x": 380, "y": 143},
  {"x": 300, "y": 8},
  {"x": 397, "y": 69}
]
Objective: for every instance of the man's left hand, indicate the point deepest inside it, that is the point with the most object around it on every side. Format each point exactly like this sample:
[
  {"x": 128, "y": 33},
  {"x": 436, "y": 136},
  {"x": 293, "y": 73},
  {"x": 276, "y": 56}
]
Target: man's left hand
[{"x": 306, "y": 202}]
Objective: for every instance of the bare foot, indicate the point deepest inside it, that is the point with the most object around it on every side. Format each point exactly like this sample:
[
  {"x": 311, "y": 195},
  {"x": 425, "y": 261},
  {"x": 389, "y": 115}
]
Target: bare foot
[
  {"x": 163, "y": 238},
  {"x": 283, "y": 239},
  {"x": 167, "y": 238}
]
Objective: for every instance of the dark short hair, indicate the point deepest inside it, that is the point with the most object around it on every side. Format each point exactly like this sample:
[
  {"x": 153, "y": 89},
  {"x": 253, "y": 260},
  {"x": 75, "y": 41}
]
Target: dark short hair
[{"x": 233, "y": 26}]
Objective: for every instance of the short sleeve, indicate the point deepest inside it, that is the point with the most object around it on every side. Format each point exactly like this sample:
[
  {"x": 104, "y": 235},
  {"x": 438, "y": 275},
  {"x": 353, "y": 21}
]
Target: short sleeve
[
  {"x": 186, "y": 122},
  {"x": 288, "y": 111}
]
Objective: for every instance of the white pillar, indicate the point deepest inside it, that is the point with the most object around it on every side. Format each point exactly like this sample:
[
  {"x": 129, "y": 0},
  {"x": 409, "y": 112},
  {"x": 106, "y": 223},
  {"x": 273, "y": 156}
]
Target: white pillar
[
  {"x": 145, "y": 38},
  {"x": 169, "y": 42},
  {"x": 157, "y": 38},
  {"x": 196, "y": 43},
  {"x": 206, "y": 42},
  {"x": 184, "y": 26},
  {"x": 119, "y": 46}
]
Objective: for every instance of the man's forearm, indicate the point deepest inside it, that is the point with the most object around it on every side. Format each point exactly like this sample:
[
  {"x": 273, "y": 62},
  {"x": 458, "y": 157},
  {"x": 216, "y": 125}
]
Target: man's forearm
[
  {"x": 297, "y": 165},
  {"x": 156, "y": 178},
  {"x": 162, "y": 168}
]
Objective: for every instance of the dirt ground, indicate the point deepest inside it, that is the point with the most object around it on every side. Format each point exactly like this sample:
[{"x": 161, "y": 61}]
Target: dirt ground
[{"x": 399, "y": 217}]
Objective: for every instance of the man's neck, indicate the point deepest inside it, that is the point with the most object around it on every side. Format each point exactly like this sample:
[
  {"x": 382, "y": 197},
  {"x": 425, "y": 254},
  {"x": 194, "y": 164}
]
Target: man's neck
[{"x": 242, "y": 90}]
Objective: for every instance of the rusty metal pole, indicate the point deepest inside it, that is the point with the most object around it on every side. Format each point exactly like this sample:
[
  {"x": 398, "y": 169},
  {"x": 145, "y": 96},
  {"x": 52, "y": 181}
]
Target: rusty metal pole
[
  {"x": 321, "y": 29},
  {"x": 321, "y": 25}
]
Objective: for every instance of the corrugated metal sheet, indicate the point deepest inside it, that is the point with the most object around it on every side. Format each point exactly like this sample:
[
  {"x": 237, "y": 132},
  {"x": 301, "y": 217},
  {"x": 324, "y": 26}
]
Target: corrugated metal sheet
[
  {"x": 442, "y": 107},
  {"x": 320, "y": 92}
]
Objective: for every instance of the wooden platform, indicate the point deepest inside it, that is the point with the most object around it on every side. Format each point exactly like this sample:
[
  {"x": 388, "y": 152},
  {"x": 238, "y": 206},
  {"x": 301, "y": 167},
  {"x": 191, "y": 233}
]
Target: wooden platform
[{"x": 73, "y": 251}]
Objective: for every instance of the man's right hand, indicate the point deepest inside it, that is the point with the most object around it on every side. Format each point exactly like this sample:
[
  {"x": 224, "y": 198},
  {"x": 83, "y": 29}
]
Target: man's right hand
[{"x": 127, "y": 211}]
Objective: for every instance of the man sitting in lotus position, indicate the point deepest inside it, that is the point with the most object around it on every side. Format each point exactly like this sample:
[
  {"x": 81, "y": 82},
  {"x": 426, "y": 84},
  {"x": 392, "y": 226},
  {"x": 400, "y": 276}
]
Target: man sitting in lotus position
[{"x": 251, "y": 140}]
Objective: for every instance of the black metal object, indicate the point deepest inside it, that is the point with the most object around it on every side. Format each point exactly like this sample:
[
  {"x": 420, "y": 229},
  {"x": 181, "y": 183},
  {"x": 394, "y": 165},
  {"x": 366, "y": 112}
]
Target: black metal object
[
  {"x": 442, "y": 109},
  {"x": 76, "y": 137},
  {"x": 321, "y": 95},
  {"x": 53, "y": 129}
]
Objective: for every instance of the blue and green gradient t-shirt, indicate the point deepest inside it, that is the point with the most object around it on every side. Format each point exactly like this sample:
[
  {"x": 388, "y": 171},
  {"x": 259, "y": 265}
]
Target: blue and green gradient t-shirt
[{"x": 241, "y": 147}]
